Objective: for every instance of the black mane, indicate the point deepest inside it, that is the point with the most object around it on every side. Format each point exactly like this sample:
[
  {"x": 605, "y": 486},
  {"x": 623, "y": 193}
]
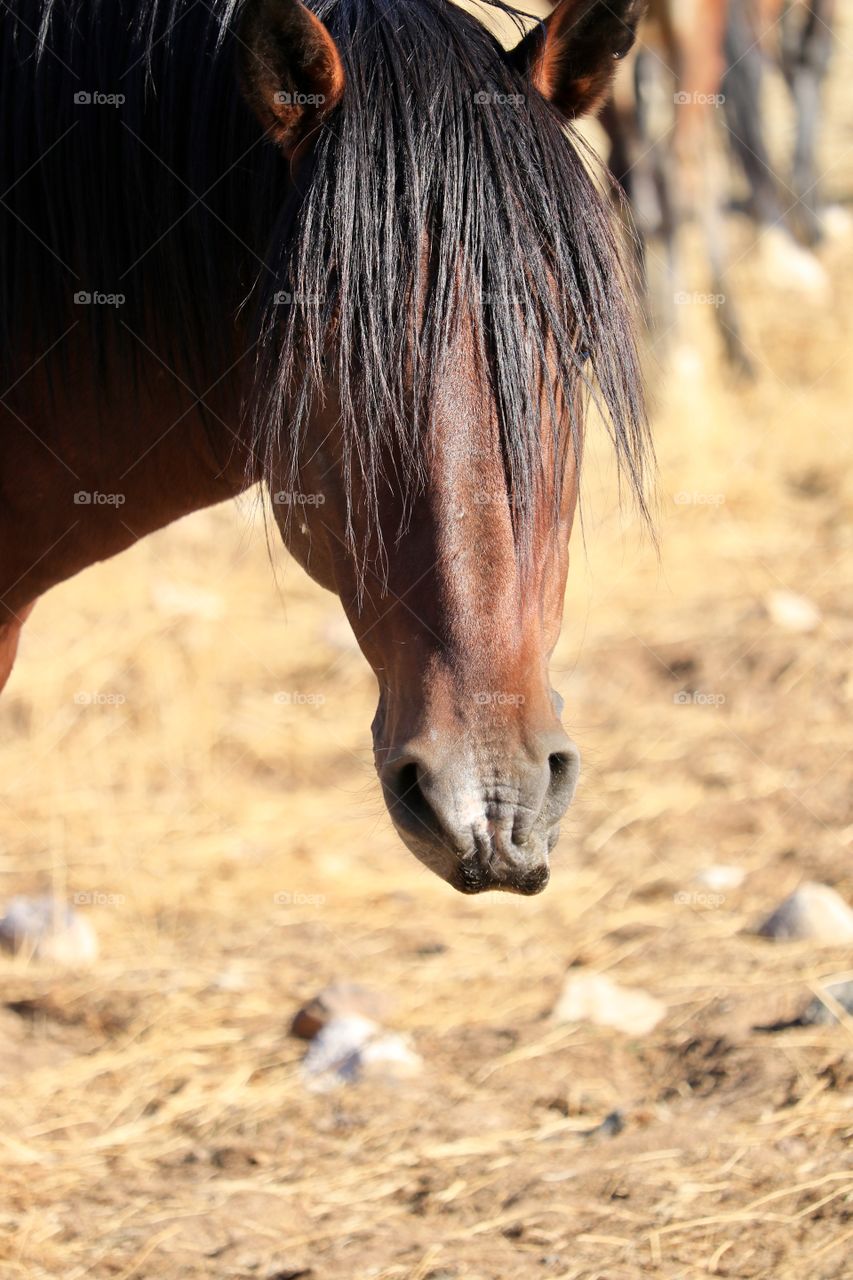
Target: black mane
[{"x": 175, "y": 200}]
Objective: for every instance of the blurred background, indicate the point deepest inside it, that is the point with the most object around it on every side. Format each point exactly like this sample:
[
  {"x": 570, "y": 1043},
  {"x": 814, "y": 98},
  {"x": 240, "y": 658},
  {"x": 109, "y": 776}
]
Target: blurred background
[{"x": 185, "y": 754}]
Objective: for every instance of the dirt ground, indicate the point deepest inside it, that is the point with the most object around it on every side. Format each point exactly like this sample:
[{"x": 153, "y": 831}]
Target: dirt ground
[{"x": 232, "y": 852}]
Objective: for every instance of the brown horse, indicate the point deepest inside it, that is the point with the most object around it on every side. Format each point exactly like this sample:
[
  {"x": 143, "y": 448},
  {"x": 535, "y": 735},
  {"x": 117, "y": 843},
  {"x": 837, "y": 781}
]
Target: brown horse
[{"x": 348, "y": 251}]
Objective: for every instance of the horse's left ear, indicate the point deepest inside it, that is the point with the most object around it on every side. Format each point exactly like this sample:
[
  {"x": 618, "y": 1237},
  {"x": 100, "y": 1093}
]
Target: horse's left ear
[
  {"x": 291, "y": 71},
  {"x": 571, "y": 57}
]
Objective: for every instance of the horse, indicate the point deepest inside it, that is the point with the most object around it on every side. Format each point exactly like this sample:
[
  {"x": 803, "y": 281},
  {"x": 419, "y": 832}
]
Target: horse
[
  {"x": 707, "y": 56},
  {"x": 798, "y": 36},
  {"x": 349, "y": 251}
]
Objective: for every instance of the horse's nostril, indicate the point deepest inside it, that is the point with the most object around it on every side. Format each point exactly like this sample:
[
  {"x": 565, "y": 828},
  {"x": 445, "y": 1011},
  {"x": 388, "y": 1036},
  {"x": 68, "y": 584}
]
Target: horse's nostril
[
  {"x": 563, "y": 767},
  {"x": 557, "y": 763},
  {"x": 409, "y": 801},
  {"x": 560, "y": 763}
]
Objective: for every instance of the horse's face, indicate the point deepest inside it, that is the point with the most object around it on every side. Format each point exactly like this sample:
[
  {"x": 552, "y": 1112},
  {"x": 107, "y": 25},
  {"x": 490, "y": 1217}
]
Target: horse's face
[
  {"x": 457, "y": 618},
  {"x": 474, "y": 764}
]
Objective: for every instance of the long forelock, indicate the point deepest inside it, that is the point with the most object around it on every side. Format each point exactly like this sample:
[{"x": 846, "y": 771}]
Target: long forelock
[{"x": 438, "y": 141}]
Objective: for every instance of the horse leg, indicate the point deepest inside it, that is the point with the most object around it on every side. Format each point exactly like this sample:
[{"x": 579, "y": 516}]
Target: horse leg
[
  {"x": 656, "y": 199},
  {"x": 637, "y": 162},
  {"x": 726, "y": 310},
  {"x": 805, "y": 50},
  {"x": 701, "y": 72},
  {"x": 10, "y": 634},
  {"x": 742, "y": 86}
]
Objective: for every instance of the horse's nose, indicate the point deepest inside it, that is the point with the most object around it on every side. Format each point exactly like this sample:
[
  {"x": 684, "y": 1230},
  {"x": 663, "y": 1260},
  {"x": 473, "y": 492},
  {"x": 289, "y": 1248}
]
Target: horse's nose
[{"x": 488, "y": 825}]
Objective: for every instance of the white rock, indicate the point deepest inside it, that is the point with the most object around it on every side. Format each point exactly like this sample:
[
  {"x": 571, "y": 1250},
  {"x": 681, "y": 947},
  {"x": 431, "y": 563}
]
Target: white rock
[
  {"x": 351, "y": 1046},
  {"x": 836, "y": 222},
  {"x": 390, "y": 1056},
  {"x": 47, "y": 929},
  {"x": 790, "y": 266},
  {"x": 812, "y": 911},
  {"x": 792, "y": 612},
  {"x": 339, "y": 1000},
  {"x": 720, "y": 877},
  {"x": 591, "y": 997}
]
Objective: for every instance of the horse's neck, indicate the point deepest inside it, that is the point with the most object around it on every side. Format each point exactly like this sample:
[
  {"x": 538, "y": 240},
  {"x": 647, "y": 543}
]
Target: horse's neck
[{"x": 84, "y": 475}]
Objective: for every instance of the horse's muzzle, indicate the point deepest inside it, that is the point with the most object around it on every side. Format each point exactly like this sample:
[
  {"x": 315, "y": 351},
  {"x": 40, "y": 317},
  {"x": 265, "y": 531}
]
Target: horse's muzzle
[{"x": 483, "y": 824}]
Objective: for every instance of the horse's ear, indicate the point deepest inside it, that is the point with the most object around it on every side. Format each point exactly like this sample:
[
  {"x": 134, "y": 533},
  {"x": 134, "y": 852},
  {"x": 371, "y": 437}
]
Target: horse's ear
[
  {"x": 291, "y": 70},
  {"x": 571, "y": 57}
]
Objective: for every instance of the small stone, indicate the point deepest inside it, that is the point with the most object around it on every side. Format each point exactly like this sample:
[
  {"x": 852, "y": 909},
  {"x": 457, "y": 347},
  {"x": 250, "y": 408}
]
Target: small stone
[
  {"x": 792, "y": 612},
  {"x": 720, "y": 877},
  {"x": 47, "y": 929},
  {"x": 611, "y": 1126},
  {"x": 591, "y": 997},
  {"x": 230, "y": 979},
  {"x": 813, "y": 911},
  {"x": 350, "y": 1047},
  {"x": 820, "y": 1014},
  {"x": 338, "y": 1000}
]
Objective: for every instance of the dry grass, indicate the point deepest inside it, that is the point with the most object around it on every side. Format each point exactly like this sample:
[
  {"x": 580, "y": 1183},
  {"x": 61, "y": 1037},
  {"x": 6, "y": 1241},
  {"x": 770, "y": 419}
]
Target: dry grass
[{"x": 152, "y": 1119}]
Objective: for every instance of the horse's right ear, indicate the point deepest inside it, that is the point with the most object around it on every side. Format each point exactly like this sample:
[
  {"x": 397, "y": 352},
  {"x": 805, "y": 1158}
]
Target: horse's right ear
[
  {"x": 571, "y": 57},
  {"x": 291, "y": 71}
]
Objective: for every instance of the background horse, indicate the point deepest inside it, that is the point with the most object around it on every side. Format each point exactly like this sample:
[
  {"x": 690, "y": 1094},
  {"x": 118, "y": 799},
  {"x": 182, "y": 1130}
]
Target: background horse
[
  {"x": 264, "y": 241},
  {"x": 797, "y": 36},
  {"x": 693, "y": 83}
]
